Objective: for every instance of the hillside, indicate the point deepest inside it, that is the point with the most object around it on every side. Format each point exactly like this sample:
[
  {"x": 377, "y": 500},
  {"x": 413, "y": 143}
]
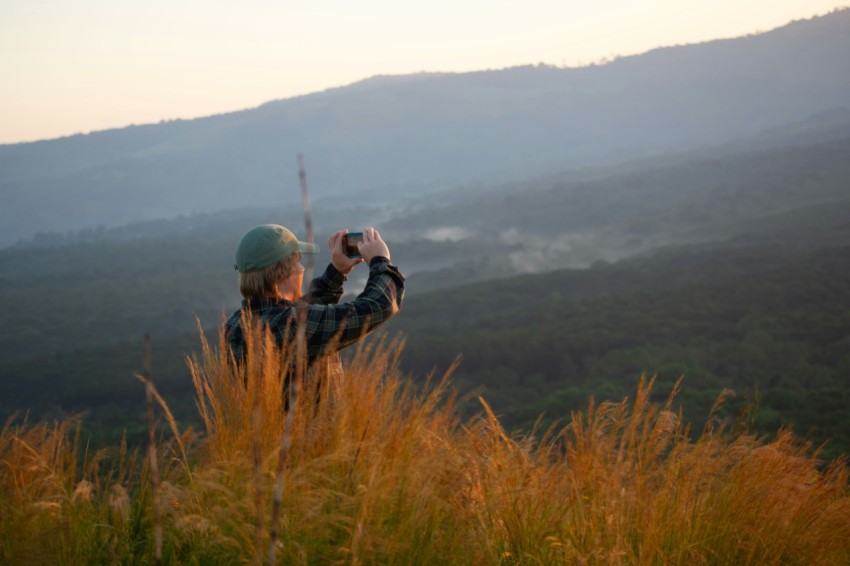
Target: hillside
[
  {"x": 395, "y": 137},
  {"x": 767, "y": 321},
  {"x": 104, "y": 286}
]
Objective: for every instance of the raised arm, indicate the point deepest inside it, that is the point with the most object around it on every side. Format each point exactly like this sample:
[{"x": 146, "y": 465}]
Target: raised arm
[
  {"x": 334, "y": 326},
  {"x": 327, "y": 288}
]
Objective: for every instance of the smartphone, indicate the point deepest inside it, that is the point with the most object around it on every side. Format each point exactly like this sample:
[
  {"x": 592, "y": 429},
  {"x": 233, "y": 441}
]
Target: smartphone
[{"x": 349, "y": 244}]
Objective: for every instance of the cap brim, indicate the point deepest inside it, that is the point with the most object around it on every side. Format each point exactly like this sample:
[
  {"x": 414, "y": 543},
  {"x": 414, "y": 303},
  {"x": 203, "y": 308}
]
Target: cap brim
[{"x": 307, "y": 248}]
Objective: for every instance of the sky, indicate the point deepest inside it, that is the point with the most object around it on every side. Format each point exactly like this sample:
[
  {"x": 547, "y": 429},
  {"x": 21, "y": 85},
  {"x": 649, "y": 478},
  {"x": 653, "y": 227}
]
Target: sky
[{"x": 76, "y": 66}]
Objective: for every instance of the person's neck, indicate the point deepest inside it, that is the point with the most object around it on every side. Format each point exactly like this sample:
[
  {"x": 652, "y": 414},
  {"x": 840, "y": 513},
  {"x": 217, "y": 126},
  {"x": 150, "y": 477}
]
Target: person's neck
[{"x": 288, "y": 296}]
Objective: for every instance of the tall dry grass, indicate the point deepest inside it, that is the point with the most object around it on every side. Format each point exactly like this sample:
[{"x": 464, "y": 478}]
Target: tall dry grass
[
  {"x": 59, "y": 502},
  {"x": 381, "y": 470}
]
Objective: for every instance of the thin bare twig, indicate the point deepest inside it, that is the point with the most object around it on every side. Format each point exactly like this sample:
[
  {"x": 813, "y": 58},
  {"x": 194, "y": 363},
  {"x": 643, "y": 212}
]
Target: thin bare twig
[{"x": 308, "y": 216}]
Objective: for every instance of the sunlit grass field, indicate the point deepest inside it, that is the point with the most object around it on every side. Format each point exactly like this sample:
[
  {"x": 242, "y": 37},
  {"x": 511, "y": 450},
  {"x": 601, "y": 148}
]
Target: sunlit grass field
[{"x": 382, "y": 470}]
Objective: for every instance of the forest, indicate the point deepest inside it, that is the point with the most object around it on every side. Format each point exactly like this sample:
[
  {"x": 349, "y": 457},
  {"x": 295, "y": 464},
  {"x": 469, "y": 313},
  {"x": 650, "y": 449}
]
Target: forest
[
  {"x": 771, "y": 323},
  {"x": 727, "y": 266}
]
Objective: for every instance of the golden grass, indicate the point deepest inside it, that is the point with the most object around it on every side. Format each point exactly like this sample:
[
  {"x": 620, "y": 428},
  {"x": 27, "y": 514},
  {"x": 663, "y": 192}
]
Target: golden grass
[{"x": 383, "y": 471}]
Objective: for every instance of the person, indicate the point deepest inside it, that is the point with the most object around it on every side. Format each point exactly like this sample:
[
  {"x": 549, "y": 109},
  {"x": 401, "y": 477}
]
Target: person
[{"x": 271, "y": 279}]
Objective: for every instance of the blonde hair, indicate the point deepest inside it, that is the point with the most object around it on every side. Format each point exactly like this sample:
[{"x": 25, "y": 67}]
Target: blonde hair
[{"x": 263, "y": 282}]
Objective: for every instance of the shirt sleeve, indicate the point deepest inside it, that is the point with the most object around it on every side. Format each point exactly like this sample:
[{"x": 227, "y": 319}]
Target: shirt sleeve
[
  {"x": 326, "y": 289},
  {"x": 334, "y": 326}
]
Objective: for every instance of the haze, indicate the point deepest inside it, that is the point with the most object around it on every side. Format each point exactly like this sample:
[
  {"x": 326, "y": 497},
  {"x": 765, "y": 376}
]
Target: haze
[{"x": 87, "y": 65}]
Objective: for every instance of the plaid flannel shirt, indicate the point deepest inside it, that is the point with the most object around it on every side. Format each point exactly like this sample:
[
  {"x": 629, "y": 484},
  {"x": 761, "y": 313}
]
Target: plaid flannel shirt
[{"x": 330, "y": 325}]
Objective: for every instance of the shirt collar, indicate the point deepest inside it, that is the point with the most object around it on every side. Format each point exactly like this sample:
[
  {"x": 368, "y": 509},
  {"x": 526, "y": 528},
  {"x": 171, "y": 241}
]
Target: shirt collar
[{"x": 257, "y": 303}]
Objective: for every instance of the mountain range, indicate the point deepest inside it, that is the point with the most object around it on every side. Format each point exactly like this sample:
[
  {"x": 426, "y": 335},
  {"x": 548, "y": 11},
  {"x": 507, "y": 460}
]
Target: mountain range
[{"x": 390, "y": 139}]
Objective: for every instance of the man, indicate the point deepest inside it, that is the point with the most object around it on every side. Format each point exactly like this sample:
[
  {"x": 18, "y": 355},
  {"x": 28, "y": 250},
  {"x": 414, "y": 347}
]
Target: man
[{"x": 270, "y": 281}]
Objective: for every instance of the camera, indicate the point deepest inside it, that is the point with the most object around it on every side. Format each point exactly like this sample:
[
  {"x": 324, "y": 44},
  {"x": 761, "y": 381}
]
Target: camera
[{"x": 349, "y": 244}]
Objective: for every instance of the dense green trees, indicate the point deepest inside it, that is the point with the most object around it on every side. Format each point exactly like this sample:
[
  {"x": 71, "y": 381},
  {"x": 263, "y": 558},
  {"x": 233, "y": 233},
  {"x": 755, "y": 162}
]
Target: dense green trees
[
  {"x": 769, "y": 320},
  {"x": 771, "y": 323},
  {"x": 764, "y": 309}
]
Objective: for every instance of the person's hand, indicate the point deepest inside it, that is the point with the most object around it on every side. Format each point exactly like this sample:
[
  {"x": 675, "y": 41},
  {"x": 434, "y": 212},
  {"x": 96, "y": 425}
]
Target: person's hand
[
  {"x": 340, "y": 261},
  {"x": 372, "y": 245}
]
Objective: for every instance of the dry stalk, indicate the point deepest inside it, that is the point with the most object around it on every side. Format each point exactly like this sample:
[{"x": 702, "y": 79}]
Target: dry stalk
[
  {"x": 257, "y": 449},
  {"x": 300, "y": 370}
]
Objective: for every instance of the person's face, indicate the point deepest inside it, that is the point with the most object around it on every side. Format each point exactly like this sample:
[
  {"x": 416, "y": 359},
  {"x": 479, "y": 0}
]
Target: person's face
[{"x": 291, "y": 288}]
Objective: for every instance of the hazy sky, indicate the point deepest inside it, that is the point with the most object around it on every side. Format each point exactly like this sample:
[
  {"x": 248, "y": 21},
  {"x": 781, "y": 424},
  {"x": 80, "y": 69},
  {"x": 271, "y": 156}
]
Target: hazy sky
[{"x": 69, "y": 66}]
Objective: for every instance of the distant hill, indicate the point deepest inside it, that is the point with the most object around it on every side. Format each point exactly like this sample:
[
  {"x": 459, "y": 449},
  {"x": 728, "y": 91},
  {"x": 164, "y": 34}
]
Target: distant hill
[{"x": 399, "y": 136}]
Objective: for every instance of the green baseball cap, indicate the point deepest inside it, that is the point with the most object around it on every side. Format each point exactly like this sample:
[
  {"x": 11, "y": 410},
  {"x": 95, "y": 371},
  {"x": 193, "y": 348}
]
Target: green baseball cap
[{"x": 266, "y": 245}]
